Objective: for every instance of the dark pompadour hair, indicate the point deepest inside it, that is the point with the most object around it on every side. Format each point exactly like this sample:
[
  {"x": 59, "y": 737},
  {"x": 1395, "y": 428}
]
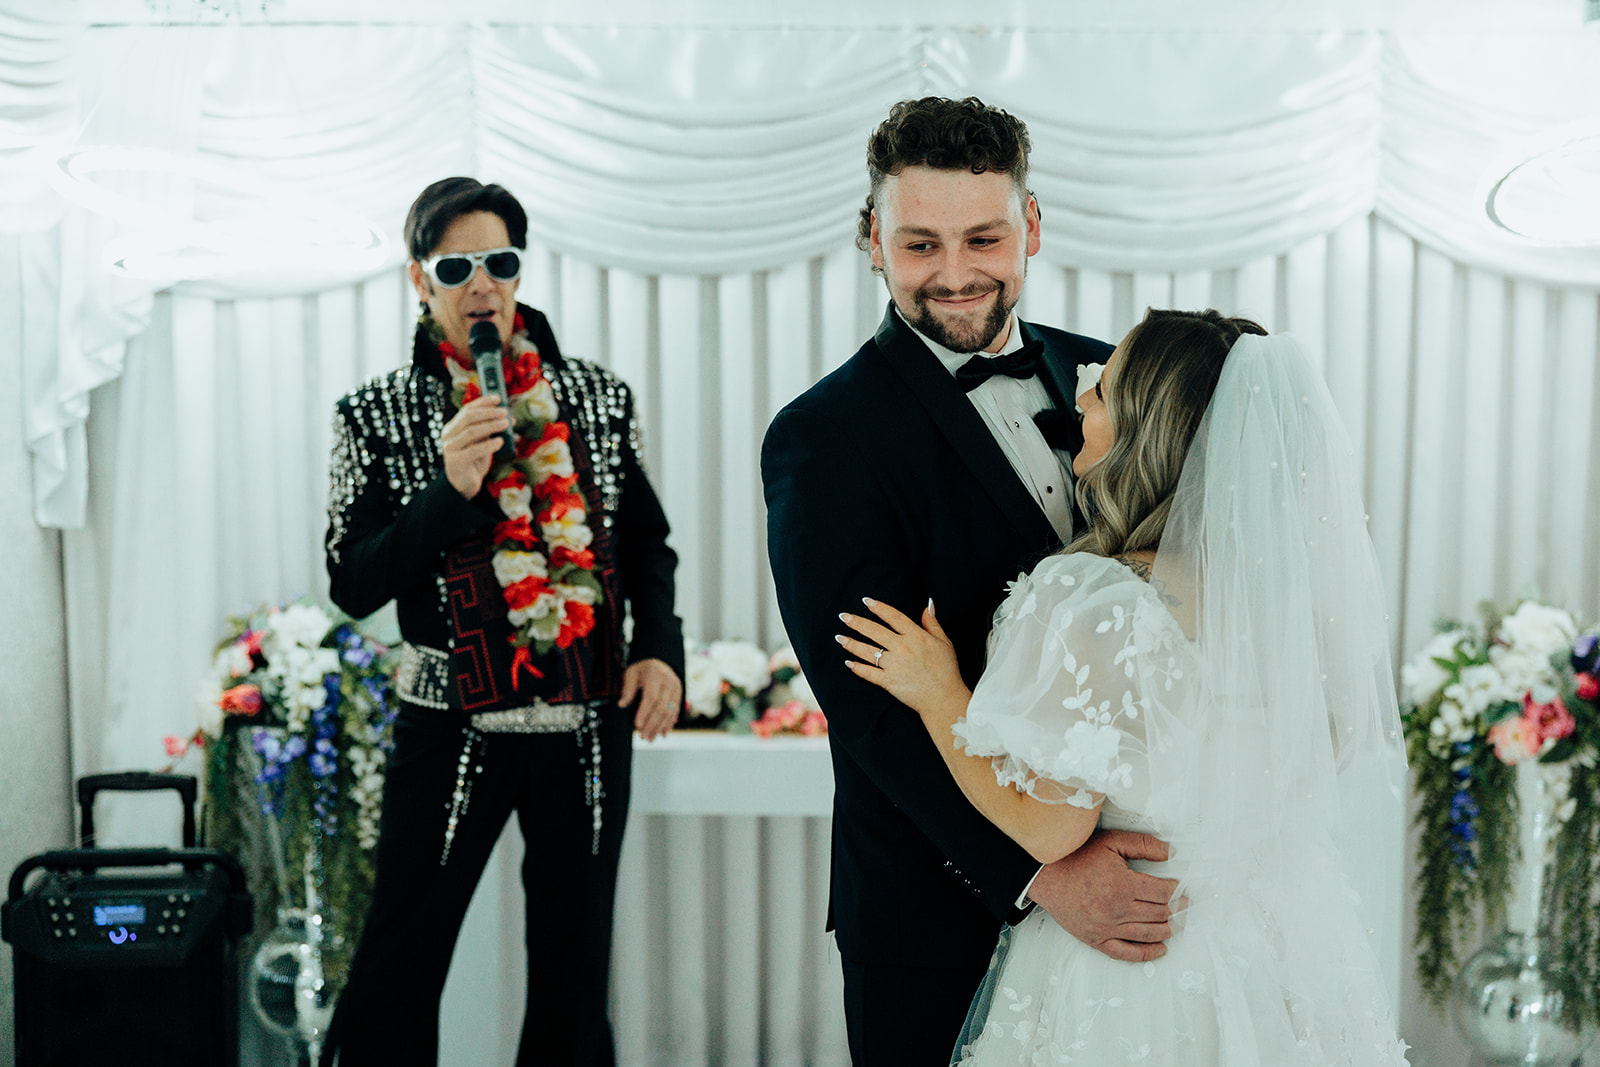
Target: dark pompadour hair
[
  {"x": 447, "y": 200},
  {"x": 945, "y": 134}
]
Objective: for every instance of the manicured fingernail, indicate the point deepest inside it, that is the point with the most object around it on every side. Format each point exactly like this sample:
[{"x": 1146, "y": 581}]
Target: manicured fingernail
[
  {"x": 839, "y": 638},
  {"x": 868, "y": 601},
  {"x": 843, "y": 617}
]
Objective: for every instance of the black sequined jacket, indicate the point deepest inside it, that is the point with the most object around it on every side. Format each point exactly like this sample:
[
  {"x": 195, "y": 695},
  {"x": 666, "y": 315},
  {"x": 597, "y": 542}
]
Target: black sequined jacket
[{"x": 392, "y": 513}]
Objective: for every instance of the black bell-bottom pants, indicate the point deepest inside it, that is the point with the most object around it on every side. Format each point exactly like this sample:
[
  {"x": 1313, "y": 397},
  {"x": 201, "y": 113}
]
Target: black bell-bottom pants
[{"x": 388, "y": 1013}]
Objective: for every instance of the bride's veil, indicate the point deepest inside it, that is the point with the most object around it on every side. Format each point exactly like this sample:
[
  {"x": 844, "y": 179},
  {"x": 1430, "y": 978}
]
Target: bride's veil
[{"x": 1269, "y": 566}]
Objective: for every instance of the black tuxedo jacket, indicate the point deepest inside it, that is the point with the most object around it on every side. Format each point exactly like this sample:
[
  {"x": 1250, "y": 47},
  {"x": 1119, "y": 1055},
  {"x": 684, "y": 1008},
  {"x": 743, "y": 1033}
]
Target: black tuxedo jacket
[{"x": 882, "y": 480}]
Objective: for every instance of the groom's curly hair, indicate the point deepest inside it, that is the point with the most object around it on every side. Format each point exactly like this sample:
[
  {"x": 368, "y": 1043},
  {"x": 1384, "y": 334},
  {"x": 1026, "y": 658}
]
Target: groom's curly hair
[
  {"x": 1156, "y": 392},
  {"x": 944, "y": 134}
]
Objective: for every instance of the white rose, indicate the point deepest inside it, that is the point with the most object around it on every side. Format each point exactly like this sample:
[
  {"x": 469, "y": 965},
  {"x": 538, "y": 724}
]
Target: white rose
[
  {"x": 570, "y": 530},
  {"x": 1481, "y": 685},
  {"x": 743, "y": 665},
  {"x": 232, "y": 661},
  {"x": 1421, "y": 678},
  {"x": 298, "y": 624},
  {"x": 783, "y": 658},
  {"x": 552, "y": 457},
  {"x": 1537, "y": 630},
  {"x": 324, "y": 661},
  {"x": 543, "y": 608},
  {"x": 581, "y": 593},
  {"x": 511, "y": 567},
  {"x": 287, "y": 665},
  {"x": 210, "y": 712},
  {"x": 703, "y": 687},
  {"x": 1522, "y": 670},
  {"x": 540, "y": 402},
  {"x": 516, "y": 502}
]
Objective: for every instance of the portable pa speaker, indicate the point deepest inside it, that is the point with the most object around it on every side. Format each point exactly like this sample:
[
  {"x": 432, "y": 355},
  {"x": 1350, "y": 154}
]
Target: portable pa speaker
[{"x": 126, "y": 957}]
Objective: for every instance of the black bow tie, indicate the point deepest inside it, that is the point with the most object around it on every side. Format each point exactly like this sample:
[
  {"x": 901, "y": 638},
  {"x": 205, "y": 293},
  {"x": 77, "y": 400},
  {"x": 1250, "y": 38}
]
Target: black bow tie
[
  {"x": 1062, "y": 430},
  {"x": 1023, "y": 363}
]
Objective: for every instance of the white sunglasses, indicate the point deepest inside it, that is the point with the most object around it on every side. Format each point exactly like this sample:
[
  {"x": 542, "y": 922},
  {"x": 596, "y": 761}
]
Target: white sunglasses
[{"x": 452, "y": 270}]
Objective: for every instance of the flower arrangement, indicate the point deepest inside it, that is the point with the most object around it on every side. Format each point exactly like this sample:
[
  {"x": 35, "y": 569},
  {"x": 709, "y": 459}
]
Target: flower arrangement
[
  {"x": 1489, "y": 708},
  {"x": 791, "y": 706},
  {"x": 735, "y": 686},
  {"x": 295, "y": 729}
]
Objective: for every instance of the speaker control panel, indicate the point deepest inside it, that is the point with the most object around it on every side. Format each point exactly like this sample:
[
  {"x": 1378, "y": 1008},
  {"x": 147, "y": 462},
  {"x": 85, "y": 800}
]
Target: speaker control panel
[{"x": 97, "y": 914}]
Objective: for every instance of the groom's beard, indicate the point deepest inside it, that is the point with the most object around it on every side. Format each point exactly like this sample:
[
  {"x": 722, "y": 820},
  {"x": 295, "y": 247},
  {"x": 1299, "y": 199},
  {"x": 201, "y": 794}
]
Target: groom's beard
[{"x": 961, "y": 335}]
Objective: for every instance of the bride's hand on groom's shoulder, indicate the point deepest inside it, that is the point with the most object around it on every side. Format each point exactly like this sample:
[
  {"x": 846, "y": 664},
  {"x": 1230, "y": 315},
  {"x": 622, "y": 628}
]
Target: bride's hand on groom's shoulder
[{"x": 915, "y": 663}]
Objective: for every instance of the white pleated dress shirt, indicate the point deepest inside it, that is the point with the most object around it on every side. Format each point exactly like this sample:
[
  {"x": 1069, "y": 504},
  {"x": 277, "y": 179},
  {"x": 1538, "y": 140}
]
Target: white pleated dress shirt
[{"x": 1007, "y": 406}]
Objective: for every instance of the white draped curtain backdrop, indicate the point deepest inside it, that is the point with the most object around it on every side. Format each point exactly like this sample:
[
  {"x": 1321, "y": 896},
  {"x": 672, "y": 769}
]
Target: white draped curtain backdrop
[{"x": 692, "y": 194}]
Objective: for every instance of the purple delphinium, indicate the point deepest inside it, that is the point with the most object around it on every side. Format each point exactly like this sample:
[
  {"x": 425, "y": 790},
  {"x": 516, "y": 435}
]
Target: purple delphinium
[
  {"x": 353, "y": 648},
  {"x": 276, "y": 756},
  {"x": 324, "y": 759},
  {"x": 1463, "y": 810},
  {"x": 1586, "y": 654}
]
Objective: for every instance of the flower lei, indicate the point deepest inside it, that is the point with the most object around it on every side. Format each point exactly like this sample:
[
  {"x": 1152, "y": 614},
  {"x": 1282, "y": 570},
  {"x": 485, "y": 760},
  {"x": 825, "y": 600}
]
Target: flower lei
[{"x": 546, "y": 572}]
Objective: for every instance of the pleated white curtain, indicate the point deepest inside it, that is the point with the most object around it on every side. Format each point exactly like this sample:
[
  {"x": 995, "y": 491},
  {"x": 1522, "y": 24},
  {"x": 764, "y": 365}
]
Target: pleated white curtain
[
  {"x": 692, "y": 195},
  {"x": 720, "y": 150}
]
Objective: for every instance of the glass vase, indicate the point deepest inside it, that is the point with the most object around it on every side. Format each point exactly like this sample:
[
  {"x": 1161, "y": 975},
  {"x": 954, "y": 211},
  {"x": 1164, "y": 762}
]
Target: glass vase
[
  {"x": 287, "y": 987},
  {"x": 1508, "y": 1001}
]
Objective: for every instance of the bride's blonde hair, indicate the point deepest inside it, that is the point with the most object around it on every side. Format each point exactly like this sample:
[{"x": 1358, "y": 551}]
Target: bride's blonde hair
[{"x": 1156, "y": 392}]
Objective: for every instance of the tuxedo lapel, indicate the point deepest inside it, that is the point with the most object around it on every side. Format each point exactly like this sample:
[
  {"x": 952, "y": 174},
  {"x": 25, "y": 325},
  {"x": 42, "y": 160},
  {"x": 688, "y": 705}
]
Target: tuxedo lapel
[
  {"x": 962, "y": 426},
  {"x": 1058, "y": 373}
]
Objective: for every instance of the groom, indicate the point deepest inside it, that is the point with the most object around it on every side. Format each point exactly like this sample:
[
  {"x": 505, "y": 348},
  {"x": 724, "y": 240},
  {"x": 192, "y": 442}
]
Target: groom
[{"x": 935, "y": 463}]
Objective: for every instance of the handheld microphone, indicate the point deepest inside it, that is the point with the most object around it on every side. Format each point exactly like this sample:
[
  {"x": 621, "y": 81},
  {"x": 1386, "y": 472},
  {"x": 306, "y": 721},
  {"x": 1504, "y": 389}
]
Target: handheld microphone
[{"x": 484, "y": 340}]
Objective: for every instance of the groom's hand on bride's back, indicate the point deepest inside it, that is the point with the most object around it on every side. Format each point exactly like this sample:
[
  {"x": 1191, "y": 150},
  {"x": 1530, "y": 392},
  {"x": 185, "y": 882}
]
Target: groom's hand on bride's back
[{"x": 1101, "y": 901}]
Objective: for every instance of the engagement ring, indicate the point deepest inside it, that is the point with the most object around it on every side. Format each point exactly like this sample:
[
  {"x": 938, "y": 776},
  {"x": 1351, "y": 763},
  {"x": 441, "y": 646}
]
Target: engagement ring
[{"x": 877, "y": 658}]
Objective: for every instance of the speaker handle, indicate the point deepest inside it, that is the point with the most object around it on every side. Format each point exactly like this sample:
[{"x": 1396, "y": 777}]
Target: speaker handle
[{"x": 135, "y": 782}]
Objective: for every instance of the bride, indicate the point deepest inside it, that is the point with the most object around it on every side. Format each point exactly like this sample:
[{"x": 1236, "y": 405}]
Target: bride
[{"x": 1207, "y": 663}]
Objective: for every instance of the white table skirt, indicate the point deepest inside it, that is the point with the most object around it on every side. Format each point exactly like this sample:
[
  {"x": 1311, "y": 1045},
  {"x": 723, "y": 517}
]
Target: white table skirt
[{"x": 720, "y": 955}]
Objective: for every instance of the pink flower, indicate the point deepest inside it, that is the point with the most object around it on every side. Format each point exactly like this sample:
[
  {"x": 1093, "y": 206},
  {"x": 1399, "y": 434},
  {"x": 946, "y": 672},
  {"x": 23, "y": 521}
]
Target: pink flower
[
  {"x": 765, "y": 726},
  {"x": 176, "y": 746},
  {"x": 1588, "y": 687},
  {"x": 815, "y": 724},
  {"x": 1550, "y": 721},
  {"x": 1515, "y": 739},
  {"x": 789, "y": 715}
]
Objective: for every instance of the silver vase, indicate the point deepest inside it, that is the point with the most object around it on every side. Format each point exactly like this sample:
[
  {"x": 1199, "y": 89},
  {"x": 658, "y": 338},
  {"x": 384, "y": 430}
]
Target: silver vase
[{"x": 1507, "y": 999}]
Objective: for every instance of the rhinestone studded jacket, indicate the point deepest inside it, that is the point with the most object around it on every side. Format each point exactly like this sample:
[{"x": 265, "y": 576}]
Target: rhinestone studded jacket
[{"x": 392, "y": 513}]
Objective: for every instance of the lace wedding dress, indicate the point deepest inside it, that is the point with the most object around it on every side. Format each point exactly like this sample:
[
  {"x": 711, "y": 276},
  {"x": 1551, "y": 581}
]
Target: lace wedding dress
[{"x": 1239, "y": 706}]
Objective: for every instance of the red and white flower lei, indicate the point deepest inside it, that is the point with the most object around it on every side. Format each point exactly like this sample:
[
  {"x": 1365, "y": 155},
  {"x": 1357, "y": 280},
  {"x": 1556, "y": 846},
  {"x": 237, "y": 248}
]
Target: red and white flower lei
[{"x": 546, "y": 571}]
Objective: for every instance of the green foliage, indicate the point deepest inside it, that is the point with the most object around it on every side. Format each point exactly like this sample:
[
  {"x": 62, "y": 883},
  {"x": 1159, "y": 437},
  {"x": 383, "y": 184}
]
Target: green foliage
[{"x": 1576, "y": 908}]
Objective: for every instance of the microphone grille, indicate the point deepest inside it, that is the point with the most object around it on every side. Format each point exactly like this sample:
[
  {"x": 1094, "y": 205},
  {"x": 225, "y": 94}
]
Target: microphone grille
[{"x": 484, "y": 337}]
